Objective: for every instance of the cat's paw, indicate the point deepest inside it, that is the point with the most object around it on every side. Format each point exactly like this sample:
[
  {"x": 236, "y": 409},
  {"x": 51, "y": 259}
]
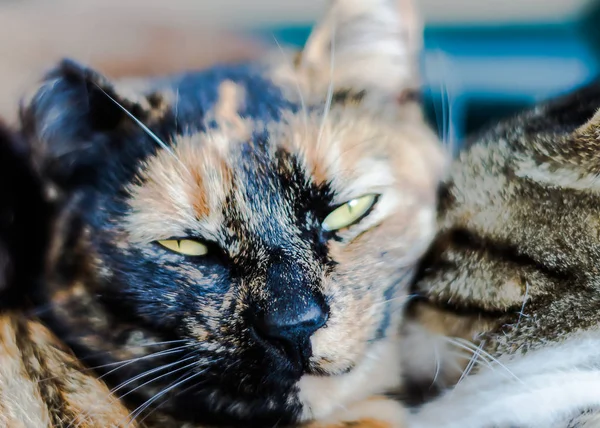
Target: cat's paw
[{"x": 376, "y": 412}]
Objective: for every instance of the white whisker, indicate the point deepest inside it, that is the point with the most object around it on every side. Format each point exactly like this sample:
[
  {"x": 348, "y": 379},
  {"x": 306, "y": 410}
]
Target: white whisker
[
  {"x": 161, "y": 376},
  {"x": 147, "y": 403},
  {"x": 445, "y": 118},
  {"x": 147, "y": 130},
  {"x": 298, "y": 89},
  {"x": 145, "y": 357},
  {"x": 489, "y": 357},
  {"x": 121, "y": 363},
  {"x": 178, "y": 393},
  {"x": 438, "y": 366},
  {"x": 147, "y": 373},
  {"x": 471, "y": 364},
  {"x": 393, "y": 299},
  {"x": 176, "y": 107},
  {"x": 81, "y": 418},
  {"x": 525, "y": 298},
  {"x": 329, "y": 98}
]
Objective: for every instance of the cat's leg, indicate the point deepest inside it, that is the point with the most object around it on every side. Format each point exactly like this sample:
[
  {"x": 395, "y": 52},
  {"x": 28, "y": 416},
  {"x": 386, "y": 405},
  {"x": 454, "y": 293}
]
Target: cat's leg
[{"x": 375, "y": 412}]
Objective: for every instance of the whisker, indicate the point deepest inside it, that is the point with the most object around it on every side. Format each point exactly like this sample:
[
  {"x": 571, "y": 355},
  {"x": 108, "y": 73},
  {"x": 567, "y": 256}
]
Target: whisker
[
  {"x": 451, "y": 132},
  {"x": 490, "y": 358},
  {"x": 406, "y": 298},
  {"x": 121, "y": 363},
  {"x": 467, "y": 357},
  {"x": 133, "y": 415},
  {"x": 298, "y": 89},
  {"x": 329, "y": 98},
  {"x": 445, "y": 119},
  {"x": 525, "y": 297},
  {"x": 155, "y": 378},
  {"x": 470, "y": 349},
  {"x": 176, "y": 108},
  {"x": 438, "y": 366},
  {"x": 135, "y": 378},
  {"x": 183, "y": 391},
  {"x": 135, "y": 360},
  {"x": 438, "y": 115},
  {"x": 147, "y": 130},
  {"x": 140, "y": 346},
  {"x": 471, "y": 364}
]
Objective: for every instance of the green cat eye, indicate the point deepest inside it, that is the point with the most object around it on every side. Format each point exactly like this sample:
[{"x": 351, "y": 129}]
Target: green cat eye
[
  {"x": 349, "y": 213},
  {"x": 187, "y": 247}
]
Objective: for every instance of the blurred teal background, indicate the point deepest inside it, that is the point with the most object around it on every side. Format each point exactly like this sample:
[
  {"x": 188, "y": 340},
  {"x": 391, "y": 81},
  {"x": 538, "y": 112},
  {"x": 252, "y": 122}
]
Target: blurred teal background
[
  {"x": 477, "y": 73},
  {"x": 483, "y": 59}
]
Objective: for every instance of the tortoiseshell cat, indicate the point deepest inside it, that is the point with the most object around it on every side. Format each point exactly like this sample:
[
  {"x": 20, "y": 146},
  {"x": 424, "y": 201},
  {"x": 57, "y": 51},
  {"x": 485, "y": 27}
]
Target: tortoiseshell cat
[
  {"x": 244, "y": 260},
  {"x": 515, "y": 269}
]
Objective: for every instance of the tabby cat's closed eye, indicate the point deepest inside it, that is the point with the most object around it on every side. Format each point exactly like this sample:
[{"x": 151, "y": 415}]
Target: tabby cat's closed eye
[
  {"x": 349, "y": 213},
  {"x": 187, "y": 247}
]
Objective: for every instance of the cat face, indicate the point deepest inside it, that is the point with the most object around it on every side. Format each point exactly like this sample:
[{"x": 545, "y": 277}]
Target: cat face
[{"x": 252, "y": 249}]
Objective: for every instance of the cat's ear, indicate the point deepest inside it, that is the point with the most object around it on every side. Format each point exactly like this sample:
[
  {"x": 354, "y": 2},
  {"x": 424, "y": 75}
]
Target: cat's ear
[
  {"x": 76, "y": 121},
  {"x": 591, "y": 127},
  {"x": 366, "y": 44}
]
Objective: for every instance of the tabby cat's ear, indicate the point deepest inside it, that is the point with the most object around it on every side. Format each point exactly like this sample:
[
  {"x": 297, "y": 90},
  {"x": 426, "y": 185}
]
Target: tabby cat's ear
[
  {"x": 75, "y": 123},
  {"x": 366, "y": 44},
  {"x": 591, "y": 127}
]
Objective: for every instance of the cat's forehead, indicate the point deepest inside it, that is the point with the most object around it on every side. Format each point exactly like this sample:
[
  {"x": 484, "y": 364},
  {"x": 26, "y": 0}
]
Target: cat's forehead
[
  {"x": 249, "y": 142},
  {"x": 195, "y": 96}
]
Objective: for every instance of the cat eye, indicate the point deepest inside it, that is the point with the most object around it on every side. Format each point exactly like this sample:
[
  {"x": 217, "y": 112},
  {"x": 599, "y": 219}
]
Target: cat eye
[
  {"x": 187, "y": 247},
  {"x": 349, "y": 213}
]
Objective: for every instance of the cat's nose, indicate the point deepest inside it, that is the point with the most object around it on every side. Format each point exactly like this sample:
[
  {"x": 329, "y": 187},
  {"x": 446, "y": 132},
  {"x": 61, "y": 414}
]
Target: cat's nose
[
  {"x": 291, "y": 315},
  {"x": 289, "y": 324}
]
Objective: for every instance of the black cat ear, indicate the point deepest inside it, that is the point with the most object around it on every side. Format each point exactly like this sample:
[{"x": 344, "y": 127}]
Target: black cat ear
[{"x": 77, "y": 118}]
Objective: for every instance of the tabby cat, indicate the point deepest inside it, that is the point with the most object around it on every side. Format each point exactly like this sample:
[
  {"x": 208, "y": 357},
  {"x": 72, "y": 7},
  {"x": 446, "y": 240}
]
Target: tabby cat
[
  {"x": 235, "y": 245},
  {"x": 516, "y": 270}
]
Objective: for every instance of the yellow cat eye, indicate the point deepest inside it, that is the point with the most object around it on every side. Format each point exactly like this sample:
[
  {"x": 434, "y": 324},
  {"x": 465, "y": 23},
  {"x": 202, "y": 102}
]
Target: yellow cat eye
[
  {"x": 187, "y": 247},
  {"x": 349, "y": 213}
]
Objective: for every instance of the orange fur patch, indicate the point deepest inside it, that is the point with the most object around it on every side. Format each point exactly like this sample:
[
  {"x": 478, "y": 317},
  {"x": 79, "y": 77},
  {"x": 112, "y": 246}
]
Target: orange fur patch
[{"x": 43, "y": 384}]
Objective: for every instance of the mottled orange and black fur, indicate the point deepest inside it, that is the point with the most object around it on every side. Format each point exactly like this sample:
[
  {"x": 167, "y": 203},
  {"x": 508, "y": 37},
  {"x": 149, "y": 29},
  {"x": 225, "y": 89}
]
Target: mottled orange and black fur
[
  {"x": 515, "y": 270},
  {"x": 282, "y": 321}
]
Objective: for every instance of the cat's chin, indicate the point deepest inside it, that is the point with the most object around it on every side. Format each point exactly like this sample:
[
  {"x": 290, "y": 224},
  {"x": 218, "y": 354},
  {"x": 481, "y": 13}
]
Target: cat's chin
[{"x": 378, "y": 372}]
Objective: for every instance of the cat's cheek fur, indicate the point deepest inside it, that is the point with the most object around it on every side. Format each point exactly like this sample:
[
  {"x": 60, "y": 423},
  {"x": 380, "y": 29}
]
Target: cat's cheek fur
[
  {"x": 360, "y": 345},
  {"x": 379, "y": 371},
  {"x": 374, "y": 412}
]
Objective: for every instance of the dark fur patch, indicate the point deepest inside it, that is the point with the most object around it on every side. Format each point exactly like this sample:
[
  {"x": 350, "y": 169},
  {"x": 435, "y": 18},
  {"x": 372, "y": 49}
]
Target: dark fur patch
[{"x": 24, "y": 222}]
